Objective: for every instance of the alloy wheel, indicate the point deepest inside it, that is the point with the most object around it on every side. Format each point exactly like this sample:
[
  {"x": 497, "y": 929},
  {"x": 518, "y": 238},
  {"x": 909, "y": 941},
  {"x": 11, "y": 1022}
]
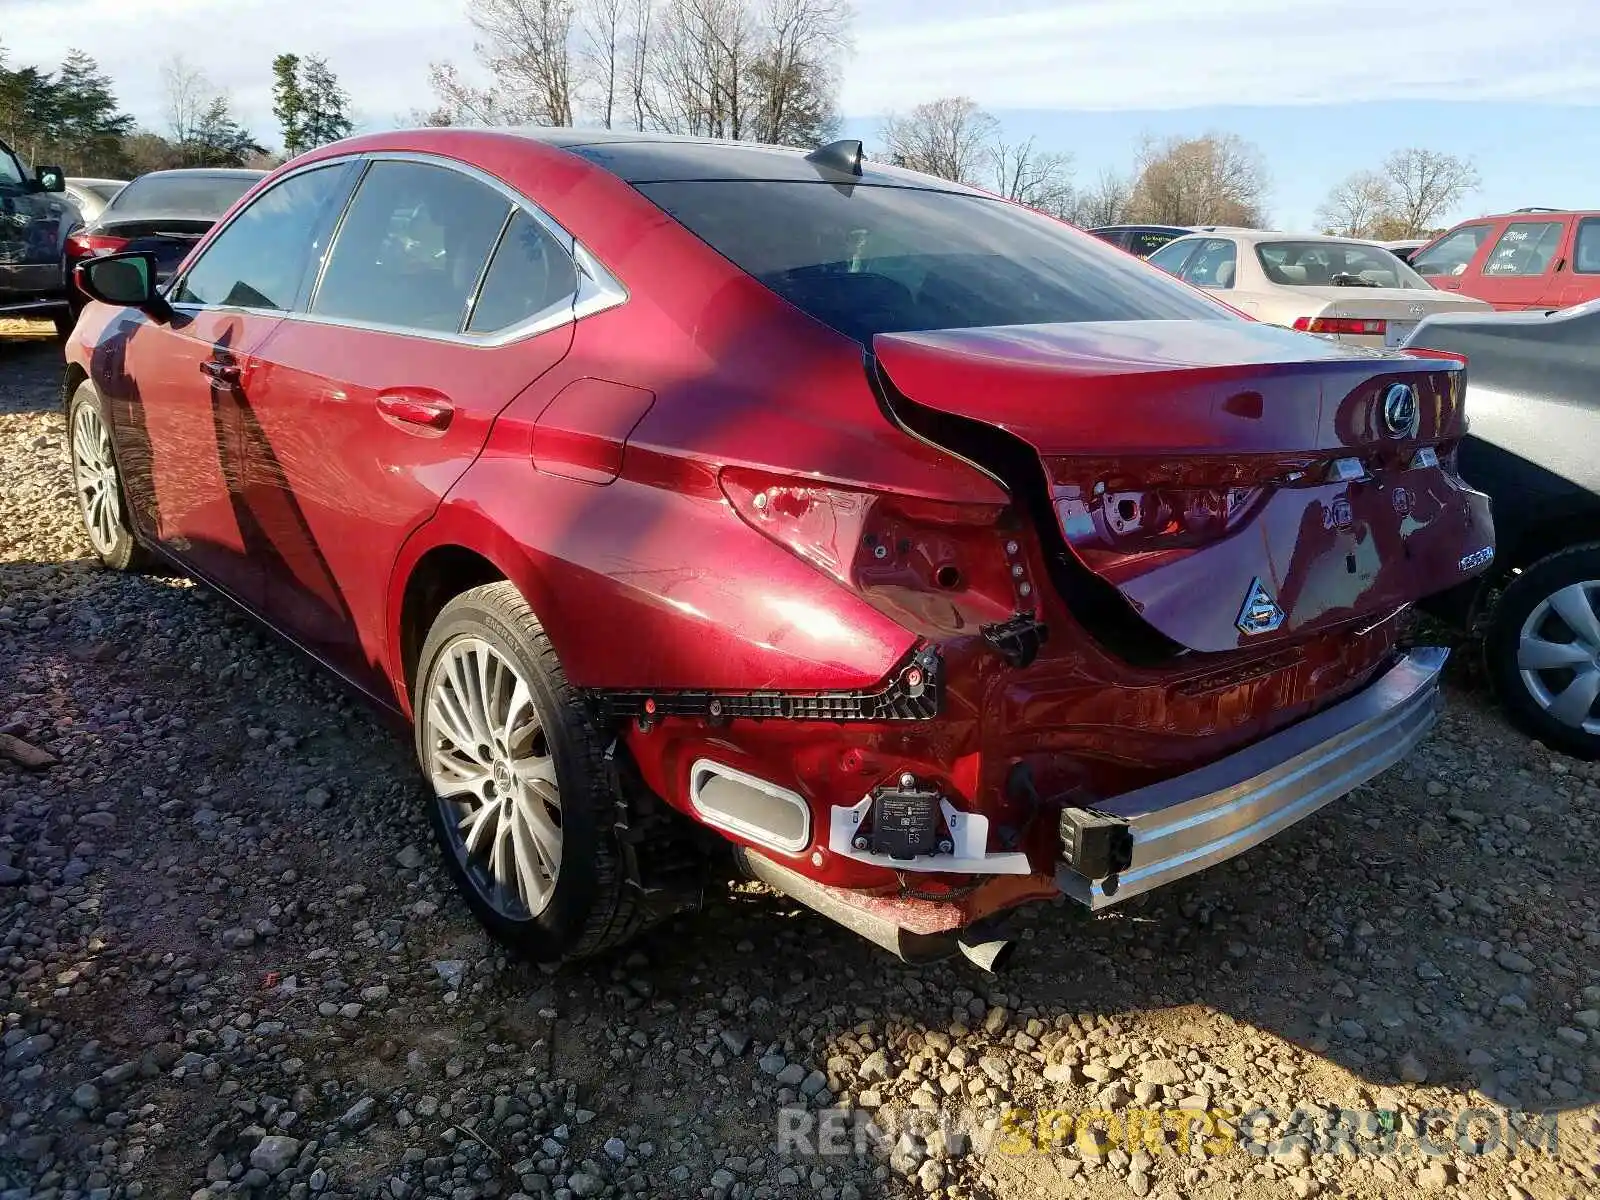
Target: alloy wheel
[
  {"x": 494, "y": 777},
  {"x": 94, "y": 472},
  {"x": 1558, "y": 655}
]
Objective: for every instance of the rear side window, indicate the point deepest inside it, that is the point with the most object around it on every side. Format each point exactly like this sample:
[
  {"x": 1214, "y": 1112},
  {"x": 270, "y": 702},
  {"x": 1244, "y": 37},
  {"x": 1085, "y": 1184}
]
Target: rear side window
[
  {"x": 1452, "y": 253},
  {"x": 1525, "y": 248},
  {"x": 260, "y": 259},
  {"x": 530, "y": 274},
  {"x": 411, "y": 248},
  {"x": 869, "y": 259},
  {"x": 1144, "y": 243},
  {"x": 1214, "y": 266},
  {"x": 1586, "y": 253}
]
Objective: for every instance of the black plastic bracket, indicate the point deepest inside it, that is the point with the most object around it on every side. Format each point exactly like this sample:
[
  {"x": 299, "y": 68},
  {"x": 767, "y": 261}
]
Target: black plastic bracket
[
  {"x": 1095, "y": 844},
  {"x": 1017, "y": 640}
]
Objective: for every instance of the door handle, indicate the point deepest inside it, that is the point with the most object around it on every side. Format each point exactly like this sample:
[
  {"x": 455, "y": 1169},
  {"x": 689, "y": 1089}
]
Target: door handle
[
  {"x": 222, "y": 372},
  {"x": 429, "y": 412}
]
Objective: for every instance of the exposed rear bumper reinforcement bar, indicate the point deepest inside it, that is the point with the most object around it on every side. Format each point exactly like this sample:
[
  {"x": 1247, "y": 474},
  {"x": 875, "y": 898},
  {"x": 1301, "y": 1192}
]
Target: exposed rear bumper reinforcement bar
[{"x": 1185, "y": 824}]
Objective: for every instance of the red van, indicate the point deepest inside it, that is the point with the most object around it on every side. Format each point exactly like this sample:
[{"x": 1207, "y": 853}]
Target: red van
[{"x": 1539, "y": 258}]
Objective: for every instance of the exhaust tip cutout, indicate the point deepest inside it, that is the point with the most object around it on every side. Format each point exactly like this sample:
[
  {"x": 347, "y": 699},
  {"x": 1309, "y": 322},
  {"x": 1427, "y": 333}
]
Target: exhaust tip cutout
[{"x": 992, "y": 955}]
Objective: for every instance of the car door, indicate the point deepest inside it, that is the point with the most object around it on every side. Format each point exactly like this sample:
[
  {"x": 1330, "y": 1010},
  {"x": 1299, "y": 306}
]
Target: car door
[
  {"x": 1172, "y": 257},
  {"x": 30, "y": 234},
  {"x": 1519, "y": 270},
  {"x": 443, "y": 298},
  {"x": 176, "y": 407},
  {"x": 1449, "y": 264},
  {"x": 1581, "y": 279}
]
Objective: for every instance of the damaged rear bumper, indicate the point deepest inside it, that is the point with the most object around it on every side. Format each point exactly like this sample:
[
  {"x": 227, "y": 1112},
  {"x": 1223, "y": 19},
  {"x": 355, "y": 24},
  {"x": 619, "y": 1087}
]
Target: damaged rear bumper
[{"x": 1193, "y": 821}]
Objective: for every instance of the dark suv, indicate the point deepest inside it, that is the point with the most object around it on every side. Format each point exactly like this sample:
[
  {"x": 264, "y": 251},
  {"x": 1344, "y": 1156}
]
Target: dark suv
[{"x": 35, "y": 219}]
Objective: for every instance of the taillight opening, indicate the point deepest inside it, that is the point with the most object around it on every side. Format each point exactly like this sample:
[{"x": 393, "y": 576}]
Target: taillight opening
[
  {"x": 91, "y": 245},
  {"x": 1357, "y": 326}
]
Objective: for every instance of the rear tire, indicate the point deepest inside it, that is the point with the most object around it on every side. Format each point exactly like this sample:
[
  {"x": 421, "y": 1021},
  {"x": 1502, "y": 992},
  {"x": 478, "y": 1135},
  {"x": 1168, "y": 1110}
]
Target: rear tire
[
  {"x": 101, "y": 498},
  {"x": 521, "y": 808},
  {"x": 1542, "y": 650}
]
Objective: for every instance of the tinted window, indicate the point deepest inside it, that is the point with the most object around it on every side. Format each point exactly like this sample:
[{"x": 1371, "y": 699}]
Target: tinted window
[
  {"x": 259, "y": 260},
  {"x": 869, "y": 260},
  {"x": 191, "y": 195},
  {"x": 1144, "y": 243},
  {"x": 1214, "y": 266},
  {"x": 1451, "y": 254},
  {"x": 108, "y": 189},
  {"x": 530, "y": 272},
  {"x": 1586, "y": 254},
  {"x": 411, "y": 248},
  {"x": 1525, "y": 248},
  {"x": 10, "y": 168},
  {"x": 1170, "y": 258},
  {"x": 1335, "y": 264}
]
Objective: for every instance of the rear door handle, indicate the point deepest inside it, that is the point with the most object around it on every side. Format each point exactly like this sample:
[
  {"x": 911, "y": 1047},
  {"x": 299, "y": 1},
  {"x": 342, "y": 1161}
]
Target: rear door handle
[
  {"x": 427, "y": 411},
  {"x": 222, "y": 372}
]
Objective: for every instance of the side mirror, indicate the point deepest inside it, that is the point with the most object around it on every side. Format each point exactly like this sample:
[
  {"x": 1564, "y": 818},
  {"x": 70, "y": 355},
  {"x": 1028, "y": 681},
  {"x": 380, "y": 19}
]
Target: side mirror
[
  {"x": 124, "y": 281},
  {"x": 51, "y": 179}
]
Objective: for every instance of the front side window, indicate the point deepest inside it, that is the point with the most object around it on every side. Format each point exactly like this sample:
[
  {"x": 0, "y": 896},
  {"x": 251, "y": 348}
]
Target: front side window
[
  {"x": 531, "y": 272},
  {"x": 1452, "y": 253},
  {"x": 1525, "y": 248},
  {"x": 10, "y": 167},
  {"x": 1171, "y": 257},
  {"x": 1213, "y": 266},
  {"x": 1586, "y": 253},
  {"x": 260, "y": 259},
  {"x": 412, "y": 248},
  {"x": 1335, "y": 264},
  {"x": 872, "y": 259}
]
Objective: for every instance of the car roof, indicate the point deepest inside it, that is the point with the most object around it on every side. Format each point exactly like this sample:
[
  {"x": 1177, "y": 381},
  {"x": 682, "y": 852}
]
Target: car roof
[
  {"x": 660, "y": 158},
  {"x": 89, "y": 179},
  {"x": 1254, "y": 236},
  {"x": 1177, "y": 229}
]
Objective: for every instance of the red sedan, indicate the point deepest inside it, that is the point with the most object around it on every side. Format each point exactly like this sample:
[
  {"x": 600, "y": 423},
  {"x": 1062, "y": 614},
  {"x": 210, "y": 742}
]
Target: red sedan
[{"x": 938, "y": 556}]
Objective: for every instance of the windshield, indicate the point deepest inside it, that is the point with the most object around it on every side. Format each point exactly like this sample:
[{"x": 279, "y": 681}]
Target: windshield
[
  {"x": 191, "y": 195},
  {"x": 868, "y": 260},
  {"x": 1336, "y": 264}
]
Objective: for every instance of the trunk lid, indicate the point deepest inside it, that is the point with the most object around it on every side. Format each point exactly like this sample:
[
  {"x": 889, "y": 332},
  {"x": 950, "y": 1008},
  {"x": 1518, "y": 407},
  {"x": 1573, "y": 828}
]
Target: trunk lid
[
  {"x": 1401, "y": 309},
  {"x": 1298, "y": 504}
]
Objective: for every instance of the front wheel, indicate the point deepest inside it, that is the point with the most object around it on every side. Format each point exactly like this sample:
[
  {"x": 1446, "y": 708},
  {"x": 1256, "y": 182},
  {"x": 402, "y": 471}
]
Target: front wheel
[
  {"x": 521, "y": 808},
  {"x": 98, "y": 485},
  {"x": 1543, "y": 650}
]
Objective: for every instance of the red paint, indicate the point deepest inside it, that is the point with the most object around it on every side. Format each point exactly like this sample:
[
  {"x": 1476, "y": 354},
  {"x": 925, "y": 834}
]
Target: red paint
[
  {"x": 1565, "y": 271},
  {"x": 345, "y": 459}
]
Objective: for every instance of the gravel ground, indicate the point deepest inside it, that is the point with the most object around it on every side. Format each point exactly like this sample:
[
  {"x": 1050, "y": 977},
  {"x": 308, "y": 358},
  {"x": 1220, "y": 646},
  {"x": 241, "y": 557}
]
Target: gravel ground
[{"x": 230, "y": 965}]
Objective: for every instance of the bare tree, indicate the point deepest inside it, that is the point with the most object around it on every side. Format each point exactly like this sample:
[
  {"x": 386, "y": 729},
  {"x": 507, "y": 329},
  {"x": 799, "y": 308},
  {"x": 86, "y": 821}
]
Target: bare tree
[
  {"x": 950, "y": 137},
  {"x": 1214, "y": 179},
  {"x": 1106, "y": 203},
  {"x": 802, "y": 42},
  {"x": 527, "y": 47},
  {"x": 187, "y": 96},
  {"x": 642, "y": 12},
  {"x": 1040, "y": 179},
  {"x": 1425, "y": 185},
  {"x": 458, "y": 102},
  {"x": 604, "y": 27},
  {"x": 1358, "y": 206}
]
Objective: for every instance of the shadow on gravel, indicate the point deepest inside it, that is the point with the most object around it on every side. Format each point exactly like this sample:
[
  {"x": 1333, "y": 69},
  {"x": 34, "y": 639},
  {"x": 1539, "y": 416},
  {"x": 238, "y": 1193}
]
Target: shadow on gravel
[{"x": 31, "y": 366}]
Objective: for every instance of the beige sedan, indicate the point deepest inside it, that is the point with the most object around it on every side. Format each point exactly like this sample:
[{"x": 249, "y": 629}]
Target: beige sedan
[{"x": 1340, "y": 288}]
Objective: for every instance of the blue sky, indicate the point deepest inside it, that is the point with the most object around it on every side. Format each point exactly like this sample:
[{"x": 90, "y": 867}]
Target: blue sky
[{"x": 1322, "y": 87}]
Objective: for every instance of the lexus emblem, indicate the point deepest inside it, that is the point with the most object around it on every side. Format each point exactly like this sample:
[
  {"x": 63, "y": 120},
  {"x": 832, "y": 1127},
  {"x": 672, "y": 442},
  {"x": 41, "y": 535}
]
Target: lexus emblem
[
  {"x": 1400, "y": 412},
  {"x": 1260, "y": 613}
]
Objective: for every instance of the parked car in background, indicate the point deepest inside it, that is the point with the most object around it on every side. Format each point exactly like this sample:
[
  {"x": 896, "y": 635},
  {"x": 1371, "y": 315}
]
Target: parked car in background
[
  {"x": 165, "y": 213},
  {"x": 1535, "y": 402},
  {"x": 647, "y": 475},
  {"x": 1534, "y": 258},
  {"x": 35, "y": 219},
  {"x": 1139, "y": 240},
  {"x": 92, "y": 195},
  {"x": 1404, "y": 248},
  {"x": 1341, "y": 288}
]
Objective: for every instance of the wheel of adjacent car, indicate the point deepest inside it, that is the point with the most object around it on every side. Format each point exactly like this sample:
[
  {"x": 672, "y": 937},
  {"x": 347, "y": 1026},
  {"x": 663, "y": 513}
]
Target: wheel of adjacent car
[
  {"x": 1543, "y": 650},
  {"x": 101, "y": 498},
  {"x": 521, "y": 807}
]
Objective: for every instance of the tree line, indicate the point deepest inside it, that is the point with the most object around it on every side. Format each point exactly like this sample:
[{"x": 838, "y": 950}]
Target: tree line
[{"x": 757, "y": 70}]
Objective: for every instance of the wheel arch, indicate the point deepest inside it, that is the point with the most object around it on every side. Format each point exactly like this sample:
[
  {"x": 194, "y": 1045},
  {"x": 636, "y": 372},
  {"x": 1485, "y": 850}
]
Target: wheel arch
[{"x": 455, "y": 551}]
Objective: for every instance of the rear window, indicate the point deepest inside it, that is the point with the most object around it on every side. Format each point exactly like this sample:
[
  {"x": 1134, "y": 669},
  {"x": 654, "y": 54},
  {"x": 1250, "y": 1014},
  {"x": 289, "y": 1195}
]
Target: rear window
[
  {"x": 868, "y": 260},
  {"x": 1335, "y": 264},
  {"x": 1586, "y": 254},
  {"x": 1145, "y": 242},
  {"x": 191, "y": 195}
]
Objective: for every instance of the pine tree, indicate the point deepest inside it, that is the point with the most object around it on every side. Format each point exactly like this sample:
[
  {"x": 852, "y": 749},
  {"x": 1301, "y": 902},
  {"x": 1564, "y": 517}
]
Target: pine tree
[
  {"x": 327, "y": 105},
  {"x": 289, "y": 103}
]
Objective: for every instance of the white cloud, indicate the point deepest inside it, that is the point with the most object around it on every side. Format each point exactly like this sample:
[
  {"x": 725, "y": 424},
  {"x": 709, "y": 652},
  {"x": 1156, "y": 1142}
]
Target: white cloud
[
  {"x": 1163, "y": 54},
  {"x": 1030, "y": 54}
]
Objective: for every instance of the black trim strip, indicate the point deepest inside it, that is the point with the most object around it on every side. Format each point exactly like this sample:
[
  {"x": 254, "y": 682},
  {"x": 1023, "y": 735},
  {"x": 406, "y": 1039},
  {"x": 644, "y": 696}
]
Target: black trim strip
[{"x": 915, "y": 692}]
